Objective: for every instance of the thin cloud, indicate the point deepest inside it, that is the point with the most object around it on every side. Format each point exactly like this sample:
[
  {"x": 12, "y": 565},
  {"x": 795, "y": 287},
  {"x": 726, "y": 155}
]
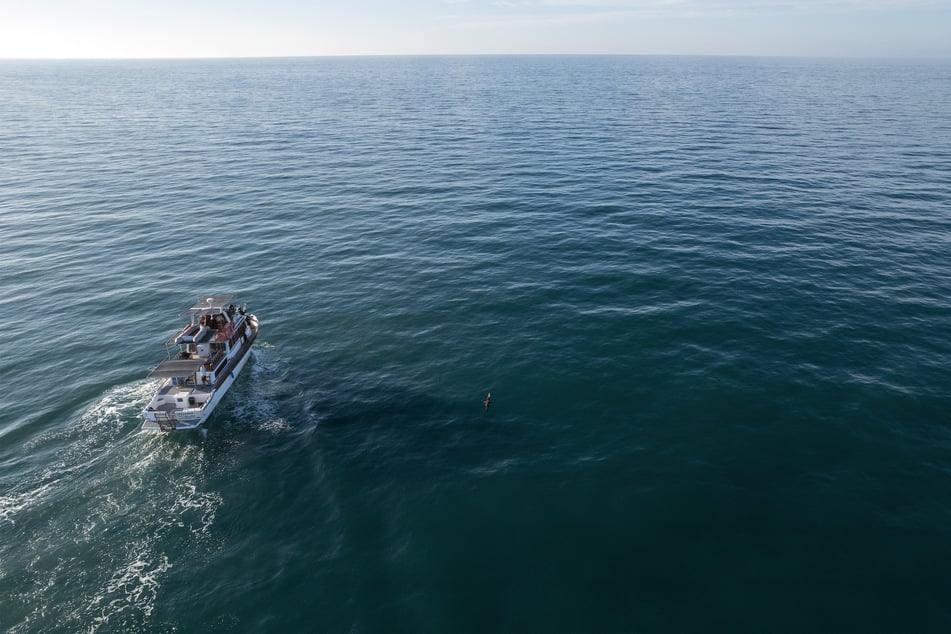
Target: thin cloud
[
  {"x": 520, "y": 13},
  {"x": 711, "y": 5}
]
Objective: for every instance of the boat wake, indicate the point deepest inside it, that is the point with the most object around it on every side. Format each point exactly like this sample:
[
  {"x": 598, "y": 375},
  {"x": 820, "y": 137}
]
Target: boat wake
[
  {"x": 77, "y": 448},
  {"x": 254, "y": 403},
  {"x": 104, "y": 521}
]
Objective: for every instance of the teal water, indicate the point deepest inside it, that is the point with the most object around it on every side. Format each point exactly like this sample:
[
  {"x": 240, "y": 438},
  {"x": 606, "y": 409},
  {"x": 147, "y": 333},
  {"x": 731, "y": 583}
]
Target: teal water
[{"x": 709, "y": 297}]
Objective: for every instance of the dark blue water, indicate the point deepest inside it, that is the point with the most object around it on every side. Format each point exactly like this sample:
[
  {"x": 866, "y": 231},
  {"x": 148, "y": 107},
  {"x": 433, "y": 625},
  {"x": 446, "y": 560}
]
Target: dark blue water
[{"x": 710, "y": 297}]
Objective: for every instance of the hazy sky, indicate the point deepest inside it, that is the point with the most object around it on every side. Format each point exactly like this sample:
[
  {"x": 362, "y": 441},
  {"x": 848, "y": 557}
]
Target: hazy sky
[{"x": 235, "y": 28}]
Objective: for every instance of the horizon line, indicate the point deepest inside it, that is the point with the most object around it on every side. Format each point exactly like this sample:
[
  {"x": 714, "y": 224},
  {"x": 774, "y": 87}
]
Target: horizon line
[{"x": 350, "y": 55}]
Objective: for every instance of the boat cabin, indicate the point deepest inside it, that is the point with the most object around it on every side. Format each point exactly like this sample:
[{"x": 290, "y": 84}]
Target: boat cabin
[
  {"x": 200, "y": 352},
  {"x": 204, "y": 358}
]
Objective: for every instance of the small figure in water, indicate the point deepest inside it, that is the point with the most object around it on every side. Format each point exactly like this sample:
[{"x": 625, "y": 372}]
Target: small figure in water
[{"x": 487, "y": 401}]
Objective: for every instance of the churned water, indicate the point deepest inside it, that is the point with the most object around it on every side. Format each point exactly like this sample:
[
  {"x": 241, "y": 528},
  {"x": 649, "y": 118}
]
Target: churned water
[{"x": 710, "y": 297}]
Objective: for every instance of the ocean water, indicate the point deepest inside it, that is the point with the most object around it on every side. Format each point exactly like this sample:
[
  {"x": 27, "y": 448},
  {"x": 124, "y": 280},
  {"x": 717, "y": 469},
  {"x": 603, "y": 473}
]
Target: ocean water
[{"x": 709, "y": 296}]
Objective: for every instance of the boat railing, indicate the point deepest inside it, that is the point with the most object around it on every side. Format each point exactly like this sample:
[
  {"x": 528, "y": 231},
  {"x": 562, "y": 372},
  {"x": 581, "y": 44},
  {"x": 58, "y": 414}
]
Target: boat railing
[
  {"x": 169, "y": 421},
  {"x": 214, "y": 360},
  {"x": 166, "y": 421}
]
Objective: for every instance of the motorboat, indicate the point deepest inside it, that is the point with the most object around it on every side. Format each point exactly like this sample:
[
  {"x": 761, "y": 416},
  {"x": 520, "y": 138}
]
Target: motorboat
[{"x": 204, "y": 359}]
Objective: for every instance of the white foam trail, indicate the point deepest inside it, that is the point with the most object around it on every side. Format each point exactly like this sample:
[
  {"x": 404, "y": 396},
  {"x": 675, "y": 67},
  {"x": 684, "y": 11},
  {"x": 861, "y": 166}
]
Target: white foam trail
[
  {"x": 83, "y": 445},
  {"x": 13, "y": 503},
  {"x": 119, "y": 504},
  {"x": 132, "y": 588}
]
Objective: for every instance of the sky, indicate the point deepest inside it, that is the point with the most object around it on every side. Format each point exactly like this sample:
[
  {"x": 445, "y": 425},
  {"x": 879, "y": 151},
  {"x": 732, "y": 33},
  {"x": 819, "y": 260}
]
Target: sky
[{"x": 265, "y": 28}]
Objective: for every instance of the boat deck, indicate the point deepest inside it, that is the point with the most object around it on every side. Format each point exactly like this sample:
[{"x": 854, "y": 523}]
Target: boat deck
[{"x": 194, "y": 381}]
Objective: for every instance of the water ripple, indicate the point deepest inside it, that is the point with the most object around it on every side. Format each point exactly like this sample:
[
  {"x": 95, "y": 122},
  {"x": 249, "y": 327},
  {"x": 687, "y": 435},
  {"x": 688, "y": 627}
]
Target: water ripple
[{"x": 709, "y": 297}]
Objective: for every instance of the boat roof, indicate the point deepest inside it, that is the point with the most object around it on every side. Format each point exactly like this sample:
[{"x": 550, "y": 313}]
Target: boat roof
[
  {"x": 176, "y": 367},
  {"x": 210, "y": 303},
  {"x": 213, "y": 301}
]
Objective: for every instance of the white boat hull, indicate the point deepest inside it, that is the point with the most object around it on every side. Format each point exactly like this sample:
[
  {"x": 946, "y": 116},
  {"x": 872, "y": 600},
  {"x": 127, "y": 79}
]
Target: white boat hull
[
  {"x": 186, "y": 419},
  {"x": 192, "y": 387}
]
